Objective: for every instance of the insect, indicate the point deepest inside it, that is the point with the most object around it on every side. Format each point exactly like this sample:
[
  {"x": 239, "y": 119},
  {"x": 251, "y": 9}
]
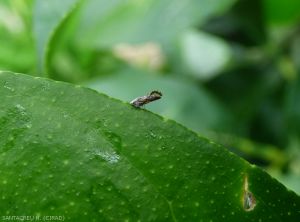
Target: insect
[{"x": 141, "y": 101}]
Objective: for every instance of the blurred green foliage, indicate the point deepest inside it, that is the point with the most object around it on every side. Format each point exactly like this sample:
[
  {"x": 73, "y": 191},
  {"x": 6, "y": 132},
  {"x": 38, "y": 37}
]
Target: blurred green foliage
[{"x": 228, "y": 69}]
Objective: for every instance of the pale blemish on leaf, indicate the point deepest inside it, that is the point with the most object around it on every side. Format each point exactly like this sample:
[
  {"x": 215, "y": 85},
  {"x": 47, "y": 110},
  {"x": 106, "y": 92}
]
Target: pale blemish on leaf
[
  {"x": 249, "y": 201},
  {"x": 110, "y": 157}
]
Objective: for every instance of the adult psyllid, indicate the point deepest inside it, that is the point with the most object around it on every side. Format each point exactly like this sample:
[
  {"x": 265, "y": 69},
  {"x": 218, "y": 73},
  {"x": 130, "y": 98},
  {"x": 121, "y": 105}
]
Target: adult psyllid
[{"x": 141, "y": 101}]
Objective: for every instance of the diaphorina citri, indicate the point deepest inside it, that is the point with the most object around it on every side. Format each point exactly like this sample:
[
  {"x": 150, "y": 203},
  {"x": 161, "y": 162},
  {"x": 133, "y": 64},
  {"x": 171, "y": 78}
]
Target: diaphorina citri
[{"x": 141, "y": 101}]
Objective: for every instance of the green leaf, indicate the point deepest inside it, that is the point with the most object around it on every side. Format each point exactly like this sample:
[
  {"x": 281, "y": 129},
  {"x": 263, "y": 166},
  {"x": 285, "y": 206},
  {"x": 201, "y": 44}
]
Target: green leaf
[
  {"x": 204, "y": 55},
  {"x": 17, "y": 49},
  {"x": 48, "y": 15},
  {"x": 103, "y": 24},
  {"x": 280, "y": 12},
  {"x": 151, "y": 20},
  {"x": 292, "y": 107},
  {"x": 72, "y": 152}
]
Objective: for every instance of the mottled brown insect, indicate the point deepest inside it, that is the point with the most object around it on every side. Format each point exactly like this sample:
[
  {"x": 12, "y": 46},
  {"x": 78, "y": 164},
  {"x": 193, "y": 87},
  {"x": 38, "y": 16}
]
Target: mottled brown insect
[{"x": 141, "y": 101}]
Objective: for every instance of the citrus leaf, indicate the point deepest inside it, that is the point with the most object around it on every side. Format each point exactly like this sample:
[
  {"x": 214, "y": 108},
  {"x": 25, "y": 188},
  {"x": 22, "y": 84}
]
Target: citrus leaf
[
  {"x": 204, "y": 55},
  {"x": 150, "y": 20},
  {"x": 17, "y": 48},
  {"x": 278, "y": 13},
  {"x": 48, "y": 16},
  {"x": 72, "y": 152}
]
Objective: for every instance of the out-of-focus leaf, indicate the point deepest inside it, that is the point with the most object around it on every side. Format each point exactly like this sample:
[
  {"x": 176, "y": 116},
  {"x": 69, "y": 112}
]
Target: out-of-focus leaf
[
  {"x": 77, "y": 66},
  {"x": 267, "y": 155},
  {"x": 182, "y": 101},
  {"x": 16, "y": 54},
  {"x": 292, "y": 108},
  {"x": 47, "y": 17},
  {"x": 282, "y": 12},
  {"x": 295, "y": 52},
  {"x": 204, "y": 55},
  {"x": 292, "y": 181},
  {"x": 105, "y": 24},
  {"x": 16, "y": 47}
]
